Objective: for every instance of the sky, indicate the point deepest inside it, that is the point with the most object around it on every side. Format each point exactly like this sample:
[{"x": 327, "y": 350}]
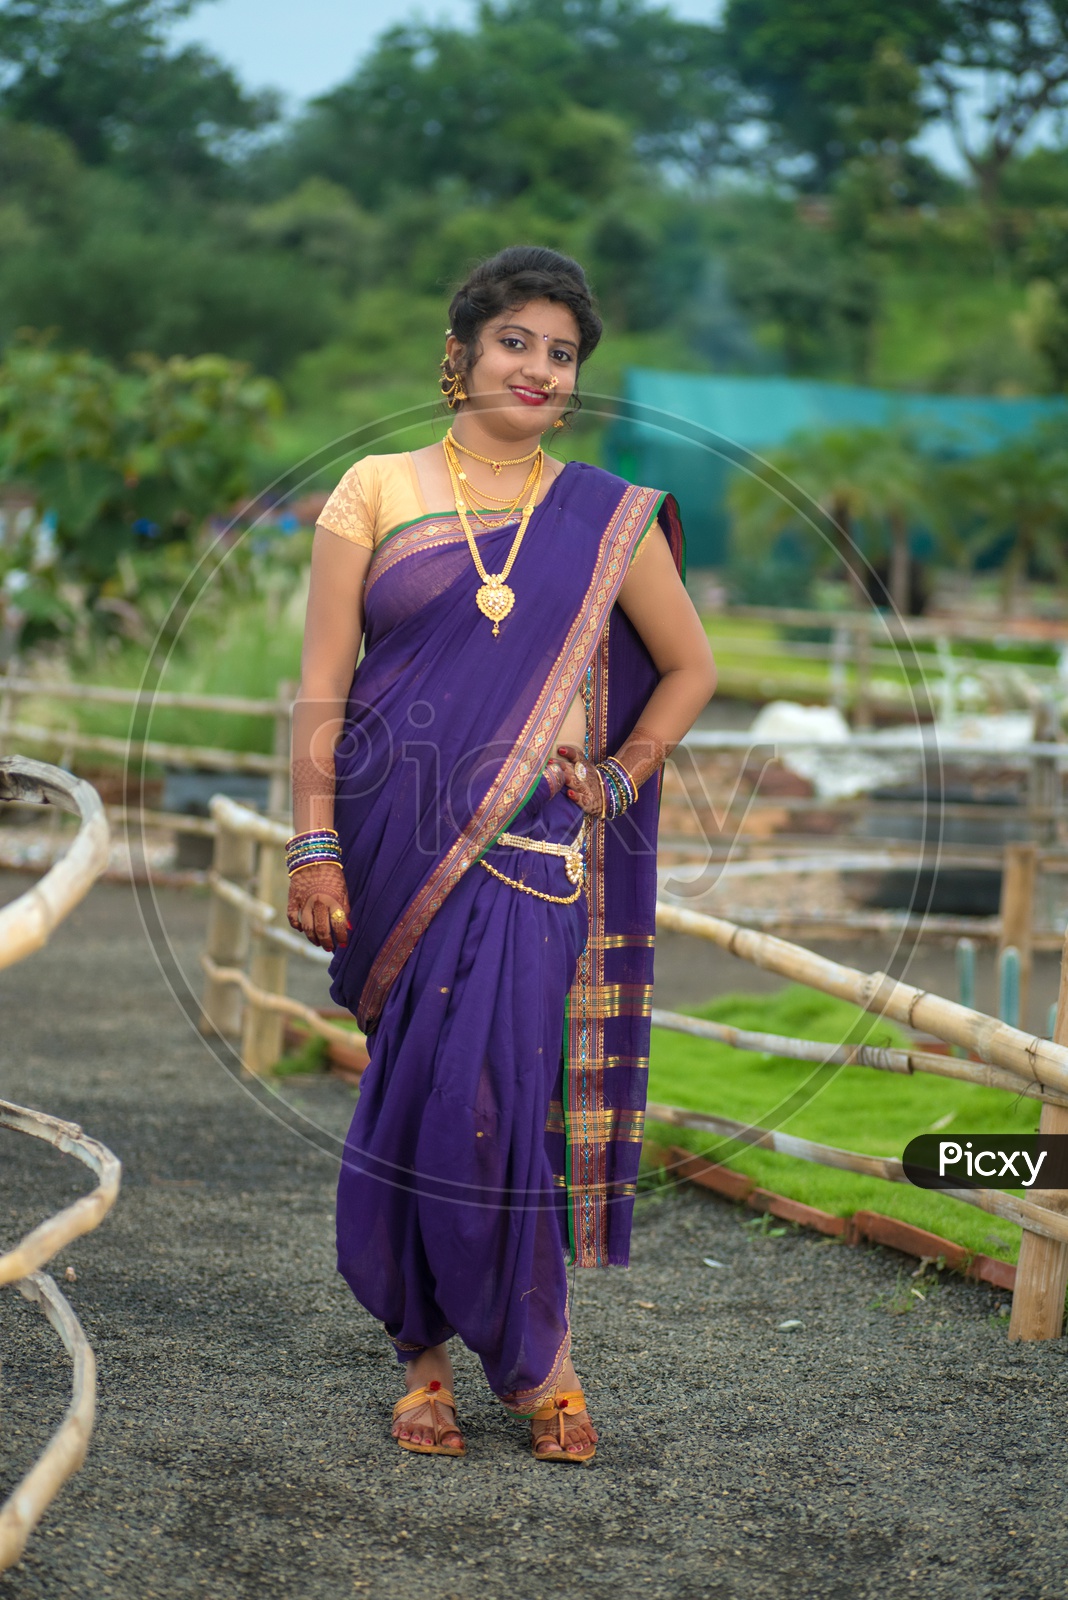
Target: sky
[{"x": 306, "y": 46}]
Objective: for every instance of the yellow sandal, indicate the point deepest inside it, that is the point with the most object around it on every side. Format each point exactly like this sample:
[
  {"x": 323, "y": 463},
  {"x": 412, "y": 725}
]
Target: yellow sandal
[
  {"x": 564, "y": 1403},
  {"x": 432, "y": 1395}
]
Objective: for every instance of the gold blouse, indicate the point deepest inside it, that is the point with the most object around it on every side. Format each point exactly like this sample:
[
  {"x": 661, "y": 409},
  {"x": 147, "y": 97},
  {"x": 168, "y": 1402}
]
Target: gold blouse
[
  {"x": 379, "y": 494},
  {"x": 375, "y": 496}
]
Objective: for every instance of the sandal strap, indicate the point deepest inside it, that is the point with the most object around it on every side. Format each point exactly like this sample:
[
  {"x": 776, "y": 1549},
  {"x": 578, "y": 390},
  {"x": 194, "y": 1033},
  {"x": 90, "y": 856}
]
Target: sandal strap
[
  {"x": 567, "y": 1401},
  {"x": 424, "y": 1397},
  {"x": 564, "y": 1403}
]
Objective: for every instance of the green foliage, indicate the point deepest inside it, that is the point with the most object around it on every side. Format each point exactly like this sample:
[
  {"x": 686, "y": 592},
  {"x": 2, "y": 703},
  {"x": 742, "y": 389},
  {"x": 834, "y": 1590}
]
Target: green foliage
[
  {"x": 855, "y": 1108},
  {"x": 309, "y": 1058},
  {"x": 842, "y": 484},
  {"x": 1018, "y": 50},
  {"x": 1015, "y": 497},
  {"x": 111, "y": 455},
  {"x": 546, "y": 96},
  {"x": 820, "y": 67},
  {"x": 99, "y": 73},
  {"x": 1039, "y": 178},
  {"x": 812, "y": 301}
]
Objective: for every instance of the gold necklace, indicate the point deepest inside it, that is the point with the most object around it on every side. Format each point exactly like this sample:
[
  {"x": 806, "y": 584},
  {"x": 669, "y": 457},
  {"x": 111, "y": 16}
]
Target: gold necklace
[
  {"x": 505, "y": 509},
  {"x": 494, "y": 597},
  {"x": 516, "y": 461}
]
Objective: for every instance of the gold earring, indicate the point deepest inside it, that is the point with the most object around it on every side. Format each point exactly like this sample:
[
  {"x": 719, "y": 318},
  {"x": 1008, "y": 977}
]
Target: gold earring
[{"x": 451, "y": 384}]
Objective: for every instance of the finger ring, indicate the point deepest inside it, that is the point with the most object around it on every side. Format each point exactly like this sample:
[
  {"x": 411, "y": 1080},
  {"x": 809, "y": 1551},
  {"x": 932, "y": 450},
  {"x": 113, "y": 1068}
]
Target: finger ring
[
  {"x": 580, "y": 770},
  {"x": 337, "y": 916}
]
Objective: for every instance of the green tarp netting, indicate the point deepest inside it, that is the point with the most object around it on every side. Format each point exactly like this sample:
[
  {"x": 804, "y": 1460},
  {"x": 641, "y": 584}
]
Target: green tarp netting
[{"x": 687, "y": 433}]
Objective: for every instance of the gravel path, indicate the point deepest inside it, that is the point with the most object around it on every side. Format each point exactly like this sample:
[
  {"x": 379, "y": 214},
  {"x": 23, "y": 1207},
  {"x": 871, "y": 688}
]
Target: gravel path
[{"x": 242, "y": 1445}]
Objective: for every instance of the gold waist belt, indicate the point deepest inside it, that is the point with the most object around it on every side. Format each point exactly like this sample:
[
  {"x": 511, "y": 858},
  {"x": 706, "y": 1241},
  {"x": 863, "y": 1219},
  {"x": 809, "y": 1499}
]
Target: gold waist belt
[{"x": 572, "y": 858}]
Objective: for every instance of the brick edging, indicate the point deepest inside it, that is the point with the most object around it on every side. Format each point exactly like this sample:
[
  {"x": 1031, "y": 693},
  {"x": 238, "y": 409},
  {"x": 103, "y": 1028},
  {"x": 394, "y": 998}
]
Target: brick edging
[{"x": 871, "y": 1226}]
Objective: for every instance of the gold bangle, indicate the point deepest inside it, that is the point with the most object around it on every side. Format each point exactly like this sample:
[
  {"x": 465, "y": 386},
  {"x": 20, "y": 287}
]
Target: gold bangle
[{"x": 630, "y": 775}]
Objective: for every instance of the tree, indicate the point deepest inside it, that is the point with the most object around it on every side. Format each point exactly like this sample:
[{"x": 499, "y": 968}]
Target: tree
[
  {"x": 1013, "y": 502},
  {"x": 813, "y": 302},
  {"x": 539, "y": 95},
  {"x": 104, "y": 457},
  {"x": 812, "y": 61},
  {"x": 870, "y": 484},
  {"x": 100, "y": 73},
  {"x": 1018, "y": 50}
]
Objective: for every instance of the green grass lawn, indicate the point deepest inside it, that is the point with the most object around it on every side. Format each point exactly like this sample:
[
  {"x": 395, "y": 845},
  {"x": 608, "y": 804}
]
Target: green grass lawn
[{"x": 856, "y": 1108}]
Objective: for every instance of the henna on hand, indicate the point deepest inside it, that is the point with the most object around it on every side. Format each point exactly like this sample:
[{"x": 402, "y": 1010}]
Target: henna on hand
[
  {"x": 585, "y": 789},
  {"x": 643, "y": 753},
  {"x": 315, "y": 894}
]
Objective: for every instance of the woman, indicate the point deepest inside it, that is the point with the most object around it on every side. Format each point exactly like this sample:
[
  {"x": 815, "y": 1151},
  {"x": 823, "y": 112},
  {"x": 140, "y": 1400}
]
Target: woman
[{"x": 491, "y": 771}]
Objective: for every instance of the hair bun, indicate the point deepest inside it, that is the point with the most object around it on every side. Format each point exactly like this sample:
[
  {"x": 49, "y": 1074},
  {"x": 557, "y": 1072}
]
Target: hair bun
[{"x": 515, "y": 276}]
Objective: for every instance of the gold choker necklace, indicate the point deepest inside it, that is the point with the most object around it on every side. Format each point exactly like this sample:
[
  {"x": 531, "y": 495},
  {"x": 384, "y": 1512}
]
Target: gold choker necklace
[{"x": 516, "y": 461}]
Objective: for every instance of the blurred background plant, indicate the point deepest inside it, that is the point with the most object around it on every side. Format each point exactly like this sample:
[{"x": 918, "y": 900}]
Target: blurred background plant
[{"x": 215, "y": 287}]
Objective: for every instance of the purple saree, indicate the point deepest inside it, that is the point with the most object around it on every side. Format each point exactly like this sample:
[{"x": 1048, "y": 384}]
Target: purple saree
[{"x": 500, "y": 1117}]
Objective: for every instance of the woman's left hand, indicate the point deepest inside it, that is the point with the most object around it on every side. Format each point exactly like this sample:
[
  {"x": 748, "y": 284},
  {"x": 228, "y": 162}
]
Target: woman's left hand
[{"x": 582, "y": 780}]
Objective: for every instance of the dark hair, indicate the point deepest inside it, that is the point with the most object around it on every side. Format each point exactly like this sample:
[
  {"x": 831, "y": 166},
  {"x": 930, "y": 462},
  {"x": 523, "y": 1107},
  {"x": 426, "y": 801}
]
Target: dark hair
[{"x": 510, "y": 279}]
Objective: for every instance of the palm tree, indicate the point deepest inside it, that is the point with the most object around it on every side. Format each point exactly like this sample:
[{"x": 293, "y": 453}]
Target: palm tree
[
  {"x": 839, "y": 481},
  {"x": 1018, "y": 493}
]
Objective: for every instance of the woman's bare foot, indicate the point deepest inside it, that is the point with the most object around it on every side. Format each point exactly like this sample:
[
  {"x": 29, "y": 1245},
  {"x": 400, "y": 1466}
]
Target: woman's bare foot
[
  {"x": 417, "y": 1425},
  {"x": 579, "y": 1431}
]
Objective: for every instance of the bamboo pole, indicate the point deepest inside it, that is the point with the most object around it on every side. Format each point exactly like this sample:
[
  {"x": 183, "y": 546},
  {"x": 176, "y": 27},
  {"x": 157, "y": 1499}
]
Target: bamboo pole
[
  {"x": 911, "y": 628},
  {"x": 9, "y": 700},
  {"x": 281, "y": 1003},
  {"x": 850, "y": 1055},
  {"x": 67, "y": 1448},
  {"x": 278, "y": 796},
  {"x": 1051, "y": 1226},
  {"x": 26, "y": 924},
  {"x": 262, "y": 1030},
  {"x": 264, "y": 921},
  {"x": 862, "y": 692},
  {"x": 242, "y": 819},
  {"x": 1032, "y": 1059},
  {"x": 1017, "y": 913},
  {"x": 83, "y": 1214},
  {"x": 190, "y": 755},
  {"x": 1042, "y": 1271},
  {"x": 104, "y": 694},
  {"x": 228, "y": 934}
]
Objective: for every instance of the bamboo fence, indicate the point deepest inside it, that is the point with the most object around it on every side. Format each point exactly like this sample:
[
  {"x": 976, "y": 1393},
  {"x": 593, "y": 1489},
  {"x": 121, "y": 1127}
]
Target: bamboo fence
[
  {"x": 247, "y": 930},
  {"x": 722, "y": 833},
  {"x": 26, "y": 924}
]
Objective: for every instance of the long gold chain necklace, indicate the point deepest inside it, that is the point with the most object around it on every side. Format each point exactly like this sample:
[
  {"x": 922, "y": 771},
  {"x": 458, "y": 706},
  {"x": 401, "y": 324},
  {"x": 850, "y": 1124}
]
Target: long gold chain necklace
[
  {"x": 516, "y": 461},
  {"x": 494, "y": 598}
]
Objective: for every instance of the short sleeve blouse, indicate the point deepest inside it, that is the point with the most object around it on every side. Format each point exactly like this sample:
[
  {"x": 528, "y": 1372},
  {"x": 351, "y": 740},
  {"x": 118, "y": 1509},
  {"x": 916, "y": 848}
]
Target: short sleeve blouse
[{"x": 375, "y": 496}]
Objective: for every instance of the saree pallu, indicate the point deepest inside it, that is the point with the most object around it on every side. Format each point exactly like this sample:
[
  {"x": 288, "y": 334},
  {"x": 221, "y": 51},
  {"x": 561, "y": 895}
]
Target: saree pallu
[{"x": 501, "y": 1114}]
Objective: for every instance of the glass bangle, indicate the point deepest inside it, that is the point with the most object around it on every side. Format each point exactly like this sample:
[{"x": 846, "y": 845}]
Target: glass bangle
[{"x": 623, "y": 778}]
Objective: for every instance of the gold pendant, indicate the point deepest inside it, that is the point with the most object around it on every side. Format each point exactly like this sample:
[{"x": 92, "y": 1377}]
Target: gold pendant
[
  {"x": 573, "y": 864},
  {"x": 494, "y": 599}
]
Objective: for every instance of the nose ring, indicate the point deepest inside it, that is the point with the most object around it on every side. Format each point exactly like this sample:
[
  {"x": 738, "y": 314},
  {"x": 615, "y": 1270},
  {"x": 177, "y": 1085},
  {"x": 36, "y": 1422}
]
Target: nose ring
[{"x": 552, "y": 383}]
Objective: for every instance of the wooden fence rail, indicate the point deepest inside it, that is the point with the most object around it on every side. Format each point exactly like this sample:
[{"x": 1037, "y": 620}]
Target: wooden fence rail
[
  {"x": 25, "y": 926},
  {"x": 247, "y": 917},
  {"x": 1039, "y": 767}
]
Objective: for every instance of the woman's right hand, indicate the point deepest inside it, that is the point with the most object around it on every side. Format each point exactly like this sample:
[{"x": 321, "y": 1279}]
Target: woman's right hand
[{"x": 316, "y": 897}]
